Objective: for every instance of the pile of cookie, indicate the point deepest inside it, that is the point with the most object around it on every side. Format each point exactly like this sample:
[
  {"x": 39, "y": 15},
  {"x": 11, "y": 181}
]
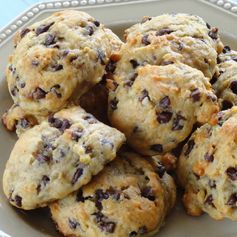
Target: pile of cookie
[{"x": 101, "y": 123}]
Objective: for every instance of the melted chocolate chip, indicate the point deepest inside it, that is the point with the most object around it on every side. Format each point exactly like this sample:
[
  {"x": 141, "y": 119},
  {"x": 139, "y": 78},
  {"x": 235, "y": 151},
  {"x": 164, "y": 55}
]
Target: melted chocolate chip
[
  {"x": 43, "y": 28},
  {"x": 214, "y": 79},
  {"x": 90, "y": 30},
  {"x": 142, "y": 230},
  {"x": 226, "y": 49},
  {"x": 114, "y": 103},
  {"x": 45, "y": 179},
  {"x": 233, "y": 87},
  {"x": 73, "y": 223},
  {"x": 232, "y": 173},
  {"x": 42, "y": 158},
  {"x": 232, "y": 199},
  {"x": 145, "y": 40},
  {"x": 104, "y": 224},
  {"x": 209, "y": 201},
  {"x": 143, "y": 95},
  {"x": 147, "y": 192},
  {"x": 178, "y": 122},
  {"x": 164, "y": 117},
  {"x": 14, "y": 91},
  {"x": 165, "y": 102},
  {"x": 100, "y": 194},
  {"x": 101, "y": 56},
  {"x": 133, "y": 234},
  {"x": 157, "y": 147},
  {"x": 96, "y": 23},
  {"x": 77, "y": 134},
  {"x": 213, "y": 33},
  {"x": 226, "y": 104},
  {"x": 39, "y": 93},
  {"x": 62, "y": 125},
  {"x": 79, "y": 196},
  {"x": 195, "y": 94},
  {"x": 18, "y": 200},
  {"x": 24, "y": 32},
  {"x": 77, "y": 175},
  {"x": 24, "y": 123},
  {"x": 164, "y": 31},
  {"x": 160, "y": 170},
  {"x": 134, "y": 63},
  {"x": 212, "y": 184},
  {"x": 49, "y": 40},
  {"x": 189, "y": 148},
  {"x": 209, "y": 157}
]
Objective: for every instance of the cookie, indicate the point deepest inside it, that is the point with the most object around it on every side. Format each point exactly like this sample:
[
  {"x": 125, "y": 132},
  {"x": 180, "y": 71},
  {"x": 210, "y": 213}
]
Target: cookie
[
  {"x": 226, "y": 84},
  {"x": 157, "y": 109},
  {"x": 57, "y": 157},
  {"x": 207, "y": 168},
  {"x": 127, "y": 198},
  {"x": 57, "y": 60},
  {"x": 188, "y": 35}
]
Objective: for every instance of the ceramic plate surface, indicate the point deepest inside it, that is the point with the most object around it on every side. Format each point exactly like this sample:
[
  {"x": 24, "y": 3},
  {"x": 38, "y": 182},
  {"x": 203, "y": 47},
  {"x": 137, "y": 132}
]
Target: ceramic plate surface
[{"x": 118, "y": 15}]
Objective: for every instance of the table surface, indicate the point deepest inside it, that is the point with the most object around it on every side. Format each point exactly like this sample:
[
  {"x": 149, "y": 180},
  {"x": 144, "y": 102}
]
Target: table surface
[{"x": 12, "y": 8}]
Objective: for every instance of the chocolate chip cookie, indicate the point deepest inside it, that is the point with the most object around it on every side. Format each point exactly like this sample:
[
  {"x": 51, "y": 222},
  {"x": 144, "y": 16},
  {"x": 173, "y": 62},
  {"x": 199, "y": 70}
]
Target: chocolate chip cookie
[
  {"x": 57, "y": 157},
  {"x": 128, "y": 198},
  {"x": 158, "y": 107},
  {"x": 226, "y": 84},
  {"x": 207, "y": 168}
]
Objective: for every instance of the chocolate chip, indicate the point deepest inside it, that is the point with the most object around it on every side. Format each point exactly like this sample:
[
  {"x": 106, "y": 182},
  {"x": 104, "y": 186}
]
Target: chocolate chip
[
  {"x": 42, "y": 158},
  {"x": 65, "y": 53},
  {"x": 195, "y": 94},
  {"x": 213, "y": 33},
  {"x": 45, "y": 179},
  {"x": 142, "y": 230},
  {"x": 14, "y": 91},
  {"x": 88, "y": 149},
  {"x": 226, "y": 49},
  {"x": 101, "y": 57},
  {"x": 167, "y": 62},
  {"x": 110, "y": 67},
  {"x": 39, "y": 93},
  {"x": 108, "y": 227},
  {"x": 90, "y": 30},
  {"x": 212, "y": 184},
  {"x": 147, "y": 192},
  {"x": 77, "y": 175},
  {"x": 160, "y": 170},
  {"x": 233, "y": 87},
  {"x": 114, "y": 103},
  {"x": 226, "y": 104},
  {"x": 96, "y": 23},
  {"x": 178, "y": 122},
  {"x": 73, "y": 223},
  {"x": 234, "y": 58},
  {"x": 135, "y": 129},
  {"x": 164, "y": 31},
  {"x": 62, "y": 125},
  {"x": 24, "y": 123},
  {"x": 54, "y": 90},
  {"x": 130, "y": 81},
  {"x": 157, "y": 147},
  {"x": 145, "y": 19},
  {"x": 133, "y": 234},
  {"x": 77, "y": 134},
  {"x": 79, "y": 196},
  {"x": 164, "y": 117},
  {"x": 114, "y": 193},
  {"x": 57, "y": 67},
  {"x": 209, "y": 157},
  {"x": 214, "y": 79},
  {"x": 232, "y": 199},
  {"x": 208, "y": 26},
  {"x": 189, "y": 148},
  {"x": 49, "y": 40},
  {"x": 43, "y": 28},
  {"x": 18, "y": 200},
  {"x": 134, "y": 63},
  {"x": 12, "y": 69},
  {"x": 144, "y": 94},
  {"x": 100, "y": 194},
  {"x": 232, "y": 173},
  {"x": 104, "y": 224},
  {"x": 220, "y": 119},
  {"x": 90, "y": 119},
  {"x": 24, "y": 32},
  {"x": 145, "y": 40},
  {"x": 165, "y": 102},
  {"x": 209, "y": 201}
]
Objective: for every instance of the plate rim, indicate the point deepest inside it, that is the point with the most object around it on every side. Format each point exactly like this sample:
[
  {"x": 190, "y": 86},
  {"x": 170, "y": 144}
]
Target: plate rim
[{"x": 36, "y": 9}]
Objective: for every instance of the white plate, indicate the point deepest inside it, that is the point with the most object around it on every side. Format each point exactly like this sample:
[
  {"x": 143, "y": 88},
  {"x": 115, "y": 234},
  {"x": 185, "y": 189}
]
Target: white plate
[{"x": 117, "y": 14}]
